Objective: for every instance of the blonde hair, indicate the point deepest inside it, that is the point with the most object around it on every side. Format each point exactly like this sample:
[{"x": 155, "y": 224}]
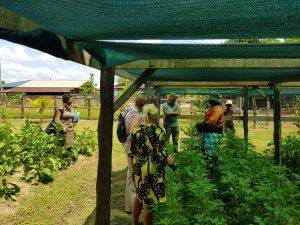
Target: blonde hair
[{"x": 150, "y": 114}]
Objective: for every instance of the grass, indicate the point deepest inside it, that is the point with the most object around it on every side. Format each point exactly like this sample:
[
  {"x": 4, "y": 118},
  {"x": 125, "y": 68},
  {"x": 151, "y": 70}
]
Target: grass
[{"x": 70, "y": 198}]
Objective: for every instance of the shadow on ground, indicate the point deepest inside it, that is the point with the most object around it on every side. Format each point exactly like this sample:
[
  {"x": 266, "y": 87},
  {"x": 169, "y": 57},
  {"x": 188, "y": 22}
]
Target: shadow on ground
[{"x": 118, "y": 215}]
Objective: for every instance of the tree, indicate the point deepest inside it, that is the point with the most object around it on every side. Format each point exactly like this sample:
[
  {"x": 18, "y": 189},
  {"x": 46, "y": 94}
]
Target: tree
[
  {"x": 41, "y": 104},
  {"x": 253, "y": 41},
  {"x": 89, "y": 87}
]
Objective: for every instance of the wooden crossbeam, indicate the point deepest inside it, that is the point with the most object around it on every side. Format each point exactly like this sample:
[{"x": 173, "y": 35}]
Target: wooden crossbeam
[
  {"x": 211, "y": 63},
  {"x": 133, "y": 88}
]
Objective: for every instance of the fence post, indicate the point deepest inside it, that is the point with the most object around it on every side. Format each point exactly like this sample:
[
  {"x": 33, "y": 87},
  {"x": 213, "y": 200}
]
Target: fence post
[
  {"x": 22, "y": 107},
  {"x": 89, "y": 108},
  {"x": 54, "y": 105}
]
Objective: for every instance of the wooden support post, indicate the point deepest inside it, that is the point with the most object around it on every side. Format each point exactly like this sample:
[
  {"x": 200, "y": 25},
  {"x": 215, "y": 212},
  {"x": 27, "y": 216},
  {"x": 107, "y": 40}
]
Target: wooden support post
[
  {"x": 245, "y": 114},
  {"x": 105, "y": 128},
  {"x": 133, "y": 88},
  {"x": 268, "y": 111},
  {"x": 254, "y": 108},
  {"x": 22, "y": 107},
  {"x": 277, "y": 123},
  {"x": 89, "y": 108},
  {"x": 158, "y": 105}
]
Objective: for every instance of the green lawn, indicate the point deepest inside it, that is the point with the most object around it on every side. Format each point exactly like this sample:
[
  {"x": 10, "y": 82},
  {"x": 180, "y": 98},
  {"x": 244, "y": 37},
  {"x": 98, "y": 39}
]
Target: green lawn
[{"x": 70, "y": 198}]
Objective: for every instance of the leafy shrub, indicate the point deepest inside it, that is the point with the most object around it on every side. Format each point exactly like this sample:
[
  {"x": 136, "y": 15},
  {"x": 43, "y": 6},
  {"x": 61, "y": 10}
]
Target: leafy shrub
[
  {"x": 9, "y": 154},
  {"x": 254, "y": 190},
  {"x": 190, "y": 129},
  {"x": 41, "y": 154},
  {"x": 8, "y": 190},
  {"x": 191, "y": 197},
  {"x": 290, "y": 150},
  {"x": 86, "y": 142}
]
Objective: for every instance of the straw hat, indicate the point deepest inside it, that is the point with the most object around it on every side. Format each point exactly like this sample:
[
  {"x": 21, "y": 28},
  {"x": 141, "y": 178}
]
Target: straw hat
[{"x": 229, "y": 102}]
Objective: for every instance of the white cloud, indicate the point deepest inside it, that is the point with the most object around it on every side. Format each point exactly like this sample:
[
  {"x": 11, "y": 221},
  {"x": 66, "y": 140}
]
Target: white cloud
[
  {"x": 47, "y": 57},
  {"x": 15, "y": 53},
  {"x": 22, "y": 63}
]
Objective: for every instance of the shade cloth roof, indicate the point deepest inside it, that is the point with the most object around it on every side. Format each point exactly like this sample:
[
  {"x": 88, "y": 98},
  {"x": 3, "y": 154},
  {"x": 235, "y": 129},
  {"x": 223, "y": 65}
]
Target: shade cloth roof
[
  {"x": 112, "y": 54},
  {"x": 71, "y": 29},
  {"x": 176, "y": 19},
  {"x": 225, "y": 91}
]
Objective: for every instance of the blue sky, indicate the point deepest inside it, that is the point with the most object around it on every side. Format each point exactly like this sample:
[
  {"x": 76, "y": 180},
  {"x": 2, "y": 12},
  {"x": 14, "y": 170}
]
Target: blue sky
[{"x": 20, "y": 63}]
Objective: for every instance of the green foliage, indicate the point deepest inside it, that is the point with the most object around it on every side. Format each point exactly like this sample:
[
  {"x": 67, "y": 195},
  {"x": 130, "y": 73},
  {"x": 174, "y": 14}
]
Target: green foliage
[
  {"x": 8, "y": 190},
  {"x": 253, "y": 41},
  {"x": 41, "y": 154},
  {"x": 9, "y": 159},
  {"x": 254, "y": 190},
  {"x": 86, "y": 142},
  {"x": 41, "y": 104},
  {"x": 292, "y": 40},
  {"x": 89, "y": 87},
  {"x": 290, "y": 150},
  {"x": 16, "y": 98},
  {"x": 190, "y": 129},
  {"x": 191, "y": 197}
]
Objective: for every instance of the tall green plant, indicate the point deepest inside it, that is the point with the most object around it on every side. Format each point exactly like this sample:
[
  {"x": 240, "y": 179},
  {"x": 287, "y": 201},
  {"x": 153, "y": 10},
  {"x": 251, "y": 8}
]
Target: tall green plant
[
  {"x": 89, "y": 87},
  {"x": 41, "y": 154},
  {"x": 42, "y": 104},
  {"x": 254, "y": 190},
  {"x": 9, "y": 153}
]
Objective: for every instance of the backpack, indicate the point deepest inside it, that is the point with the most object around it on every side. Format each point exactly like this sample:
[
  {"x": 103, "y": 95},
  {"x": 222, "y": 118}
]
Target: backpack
[
  {"x": 51, "y": 129},
  {"x": 121, "y": 129}
]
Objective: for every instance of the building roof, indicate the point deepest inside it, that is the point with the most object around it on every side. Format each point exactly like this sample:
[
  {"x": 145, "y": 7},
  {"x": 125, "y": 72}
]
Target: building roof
[
  {"x": 14, "y": 84},
  {"x": 40, "y": 90},
  {"x": 53, "y": 84}
]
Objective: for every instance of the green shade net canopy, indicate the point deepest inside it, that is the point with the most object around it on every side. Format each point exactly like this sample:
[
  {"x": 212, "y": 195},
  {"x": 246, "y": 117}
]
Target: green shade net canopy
[
  {"x": 157, "y": 19},
  {"x": 225, "y": 91},
  {"x": 113, "y": 54},
  {"x": 206, "y": 75}
]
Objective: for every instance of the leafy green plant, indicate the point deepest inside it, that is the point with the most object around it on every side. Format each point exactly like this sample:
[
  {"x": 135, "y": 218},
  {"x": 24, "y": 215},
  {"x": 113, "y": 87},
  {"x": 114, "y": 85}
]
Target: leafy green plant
[
  {"x": 42, "y": 104},
  {"x": 89, "y": 87},
  {"x": 86, "y": 142},
  {"x": 8, "y": 190},
  {"x": 16, "y": 98},
  {"x": 254, "y": 190},
  {"x": 191, "y": 197},
  {"x": 190, "y": 129},
  {"x": 41, "y": 154},
  {"x": 290, "y": 150},
  {"x": 9, "y": 154}
]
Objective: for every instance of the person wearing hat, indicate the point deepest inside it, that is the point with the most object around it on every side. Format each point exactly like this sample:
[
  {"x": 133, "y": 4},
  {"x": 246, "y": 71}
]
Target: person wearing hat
[
  {"x": 211, "y": 128},
  {"x": 171, "y": 110},
  {"x": 229, "y": 125},
  {"x": 133, "y": 118}
]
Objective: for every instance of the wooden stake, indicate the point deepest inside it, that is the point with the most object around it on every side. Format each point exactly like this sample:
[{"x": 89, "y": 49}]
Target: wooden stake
[
  {"x": 277, "y": 123},
  {"x": 105, "y": 127},
  {"x": 245, "y": 114}
]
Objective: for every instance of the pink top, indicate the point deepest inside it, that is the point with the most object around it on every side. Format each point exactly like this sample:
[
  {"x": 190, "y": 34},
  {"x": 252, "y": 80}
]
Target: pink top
[{"x": 130, "y": 116}]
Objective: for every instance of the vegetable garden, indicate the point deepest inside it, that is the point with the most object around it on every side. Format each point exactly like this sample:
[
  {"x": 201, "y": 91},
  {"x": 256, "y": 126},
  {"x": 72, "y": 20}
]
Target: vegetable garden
[
  {"x": 38, "y": 153},
  {"x": 238, "y": 186}
]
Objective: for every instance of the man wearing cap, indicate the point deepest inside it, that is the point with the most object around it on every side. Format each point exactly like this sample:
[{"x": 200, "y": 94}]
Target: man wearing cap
[
  {"x": 171, "y": 110},
  {"x": 229, "y": 125}
]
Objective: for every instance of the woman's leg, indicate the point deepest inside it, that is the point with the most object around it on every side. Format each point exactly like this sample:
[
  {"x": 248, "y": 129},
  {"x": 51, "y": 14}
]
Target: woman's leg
[
  {"x": 147, "y": 215},
  {"x": 136, "y": 211}
]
